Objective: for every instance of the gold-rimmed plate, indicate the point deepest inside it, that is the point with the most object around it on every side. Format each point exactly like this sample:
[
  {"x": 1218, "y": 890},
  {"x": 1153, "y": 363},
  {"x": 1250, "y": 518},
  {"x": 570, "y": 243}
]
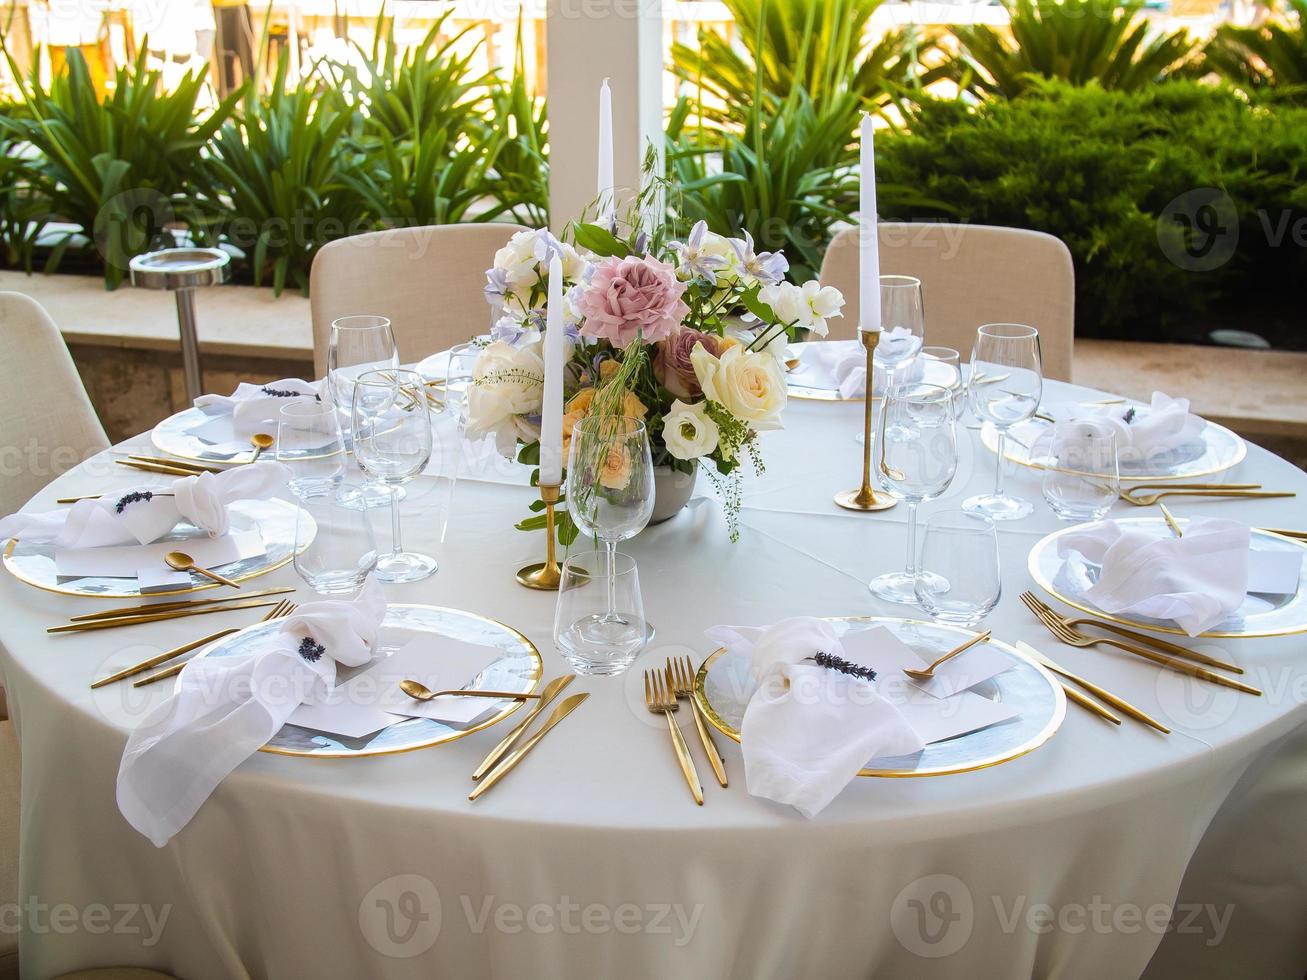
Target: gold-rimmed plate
[
  {"x": 273, "y": 520},
  {"x": 1215, "y": 450},
  {"x": 724, "y": 685},
  {"x": 1259, "y": 616},
  {"x": 802, "y": 383},
  {"x": 518, "y": 669}
]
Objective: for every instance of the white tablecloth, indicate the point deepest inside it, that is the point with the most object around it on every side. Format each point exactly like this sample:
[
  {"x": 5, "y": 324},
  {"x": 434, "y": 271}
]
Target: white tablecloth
[{"x": 591, "y": 860}]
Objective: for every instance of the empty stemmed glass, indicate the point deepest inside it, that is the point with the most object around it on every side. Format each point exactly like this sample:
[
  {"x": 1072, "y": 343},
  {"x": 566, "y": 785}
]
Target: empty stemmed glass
[
  {"x": 917, "y": 459},
  {"x": 1005, "y": 386},
  {"x": 358, "y": 344},
  {"x": 610, "y": 494},
  {"x": 903, "y": 323},
  {"x": 392, "y": 443},
  {"x": 943, "y": 366}
]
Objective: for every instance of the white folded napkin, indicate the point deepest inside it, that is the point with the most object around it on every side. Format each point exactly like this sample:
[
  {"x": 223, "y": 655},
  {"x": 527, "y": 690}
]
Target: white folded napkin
[
  {"x": 1166, "y": 426},
  {"x": 226, "y": 708},
  {"x": 807, "y": 729},
  {"x": 256, "y": 408},
  {"x": 842, "y": 364},
  {"x": 143, "y": 514},
  {"x": 1196, "y": 581}
]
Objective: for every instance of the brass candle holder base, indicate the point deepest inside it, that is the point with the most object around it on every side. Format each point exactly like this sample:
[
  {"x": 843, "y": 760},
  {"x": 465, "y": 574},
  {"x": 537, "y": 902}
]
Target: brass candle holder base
[
  {"x": 546, "y": 575},
  {"x": 864, "y": 498},
  {"x": 854, "y": 500}
]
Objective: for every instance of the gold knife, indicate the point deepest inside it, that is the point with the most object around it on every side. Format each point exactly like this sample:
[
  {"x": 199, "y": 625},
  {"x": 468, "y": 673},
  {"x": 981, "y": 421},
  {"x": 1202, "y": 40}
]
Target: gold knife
[
  {"x": 551, "y": 691},
  {"x": 154, "y": 661},
  {"x": 1085, "y": 701},
  {"x": 177, "y": 464},
  {"x": 153, "y": 607},
  {"x": 565, "y": 708},
  {"x": 155, "y": 467},
  {"x": 116, "y": 621},
  {"x": 1098, "y": 692}
]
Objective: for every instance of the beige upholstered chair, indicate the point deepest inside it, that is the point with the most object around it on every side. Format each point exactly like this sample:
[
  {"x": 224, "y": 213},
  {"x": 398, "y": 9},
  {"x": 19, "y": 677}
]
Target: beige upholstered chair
[
  {"x": 427, "y": 280},
  {"x": 48, "y": 425},
  {"x": 9, "y": 775},
  {"x": 970, "y": 275}
]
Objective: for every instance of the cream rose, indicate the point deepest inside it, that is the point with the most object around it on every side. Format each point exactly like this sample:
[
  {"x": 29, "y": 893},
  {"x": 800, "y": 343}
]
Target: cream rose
[
  {"x": 688, "y": 432},
  {"x": 748, "y": 384}
]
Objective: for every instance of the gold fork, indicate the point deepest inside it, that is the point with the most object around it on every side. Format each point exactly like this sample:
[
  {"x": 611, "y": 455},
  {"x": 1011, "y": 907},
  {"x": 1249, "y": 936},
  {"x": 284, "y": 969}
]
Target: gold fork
[
  {"x": 280, "y": 611},
  {"x": 680, "y": 678},
  {"x": 659, "y": 698},
  {"x": 1074, "y": 638},
  {"x": 1132, "y": 496},
  {"x": 1036, "y": 604}
]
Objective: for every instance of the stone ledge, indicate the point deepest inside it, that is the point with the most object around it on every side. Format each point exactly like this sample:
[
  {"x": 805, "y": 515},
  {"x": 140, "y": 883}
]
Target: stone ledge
[{"x": 233, "y": 321}]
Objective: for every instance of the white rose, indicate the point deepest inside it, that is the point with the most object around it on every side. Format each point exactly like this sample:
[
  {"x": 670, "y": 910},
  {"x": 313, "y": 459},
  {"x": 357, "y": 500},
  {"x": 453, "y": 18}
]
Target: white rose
[
  {"x": 517, "y": 260},
  {"x": 507, "y": 383},
  {"x": 688, "y": 432},
  {"x": 748, "y": 384}
]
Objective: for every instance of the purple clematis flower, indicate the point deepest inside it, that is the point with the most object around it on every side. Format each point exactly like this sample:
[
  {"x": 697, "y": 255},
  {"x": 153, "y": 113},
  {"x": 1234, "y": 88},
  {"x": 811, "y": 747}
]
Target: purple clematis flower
[
  {"x": 693, "y": 258},
  {"x": 768, "y": 268}
]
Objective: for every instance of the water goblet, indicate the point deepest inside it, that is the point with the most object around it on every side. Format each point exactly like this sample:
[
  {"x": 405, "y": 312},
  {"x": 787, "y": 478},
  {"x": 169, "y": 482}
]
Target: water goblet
[
  {"x": 1082, "y": 478},
  {"x": 392, "y": 443},
  {"x": 592, "y": 587},
  {"x": 917, "y": 458},
  {"x": 310, "y": 444},
  {"x": 961, "y": 581},
  {"x": 1004, "y": 388}
]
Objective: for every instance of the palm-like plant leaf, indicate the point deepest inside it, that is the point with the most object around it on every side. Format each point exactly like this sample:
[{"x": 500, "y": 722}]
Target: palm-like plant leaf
[
  {"x": 1271, "y": 56},
  {"x": 1077, "y": 41}
]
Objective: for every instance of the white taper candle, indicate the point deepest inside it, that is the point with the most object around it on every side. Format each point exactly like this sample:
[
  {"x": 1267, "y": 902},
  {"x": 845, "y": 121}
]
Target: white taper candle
[
  {"x": 868, "y": 243},
  {"x": 607, "y": 205},
  {"x": 551, "y": 412}
]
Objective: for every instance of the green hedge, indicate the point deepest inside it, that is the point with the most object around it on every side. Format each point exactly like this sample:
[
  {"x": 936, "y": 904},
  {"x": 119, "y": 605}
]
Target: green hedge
[{"x": 1100, "y": 170}]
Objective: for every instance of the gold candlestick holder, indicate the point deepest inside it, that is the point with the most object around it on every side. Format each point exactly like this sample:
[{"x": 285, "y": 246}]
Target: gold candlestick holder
[
  {"x": 864, "y": 498},
  {"x": 545, "y": 575}
]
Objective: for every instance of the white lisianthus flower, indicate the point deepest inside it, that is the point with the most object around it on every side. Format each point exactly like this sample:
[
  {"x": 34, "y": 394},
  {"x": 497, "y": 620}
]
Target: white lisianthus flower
[
  {"x": 808, "y": 306},
  {"x": 508, "y": 383},
  {"x": 748, "y": 384},
  {"x": 688, "y": 431}
]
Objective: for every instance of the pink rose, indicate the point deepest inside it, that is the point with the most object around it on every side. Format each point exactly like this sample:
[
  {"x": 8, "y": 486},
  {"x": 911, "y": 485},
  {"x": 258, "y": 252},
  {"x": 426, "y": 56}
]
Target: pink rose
[
  {"x": 672, "y": 365},
  {"x": 632, "y": 297}
]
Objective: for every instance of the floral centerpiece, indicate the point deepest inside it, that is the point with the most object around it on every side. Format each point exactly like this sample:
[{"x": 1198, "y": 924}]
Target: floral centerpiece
[{"x": 687, "y": 333}]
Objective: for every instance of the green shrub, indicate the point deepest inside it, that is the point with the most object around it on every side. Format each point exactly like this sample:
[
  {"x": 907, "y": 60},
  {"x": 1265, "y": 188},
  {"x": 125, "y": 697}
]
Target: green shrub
[
  {"x": 1103, "y": 190},
  {"x": 1078, "y": 41}
]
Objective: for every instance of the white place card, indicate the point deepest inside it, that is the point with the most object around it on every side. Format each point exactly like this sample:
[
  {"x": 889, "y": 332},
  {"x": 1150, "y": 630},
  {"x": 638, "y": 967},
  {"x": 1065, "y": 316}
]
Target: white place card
[
  {"x": 1274, "y": 572},
  {"x": 126, "y": 561},
  {"x": 160, "y": 578},
  {"x": 371, "y": 699},
  {"x": 220, "y": 435},
  {"x": 882, "y": 650},
  {"x": 937, "y": 720}
]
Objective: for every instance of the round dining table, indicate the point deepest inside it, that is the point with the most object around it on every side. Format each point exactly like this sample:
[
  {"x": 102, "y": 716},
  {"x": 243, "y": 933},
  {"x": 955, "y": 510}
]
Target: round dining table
[{"x": 1107, "y": 852}]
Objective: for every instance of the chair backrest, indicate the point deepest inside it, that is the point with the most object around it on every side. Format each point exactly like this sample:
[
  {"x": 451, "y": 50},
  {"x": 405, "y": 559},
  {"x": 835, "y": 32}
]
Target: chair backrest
[
  {"x": 970, "y": 275},
  {"x": 427, "y": 280},
  {"x": 48, "y": 425}
]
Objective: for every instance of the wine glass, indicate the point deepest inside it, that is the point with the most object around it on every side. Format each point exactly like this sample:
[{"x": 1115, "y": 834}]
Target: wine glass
[
  {"x": 903, "y": 323},
  {"x": 1005, "y": 386},
  {"x": 961, "y": 580},
  {"x": 358, "y": 344},
  {"x": 1081, "y": 476},
  {"x": 584, "y": 601},
  {"x": 610, "y": 494},
  {"x": 943, "y": 366},
  {"x": 392, "y": 443},
  {"x": 917, "y": 459},
  {"x": 310, "y": 443}
]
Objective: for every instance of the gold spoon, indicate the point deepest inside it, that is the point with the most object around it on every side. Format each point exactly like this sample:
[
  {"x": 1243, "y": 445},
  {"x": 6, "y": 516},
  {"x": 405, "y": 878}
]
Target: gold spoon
[
  {"x": 183, "y": 562},
  {"x": 929, "y": 672},
  {"x": 420, "y": 692},
  {"x": 260, "y": 441}
]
